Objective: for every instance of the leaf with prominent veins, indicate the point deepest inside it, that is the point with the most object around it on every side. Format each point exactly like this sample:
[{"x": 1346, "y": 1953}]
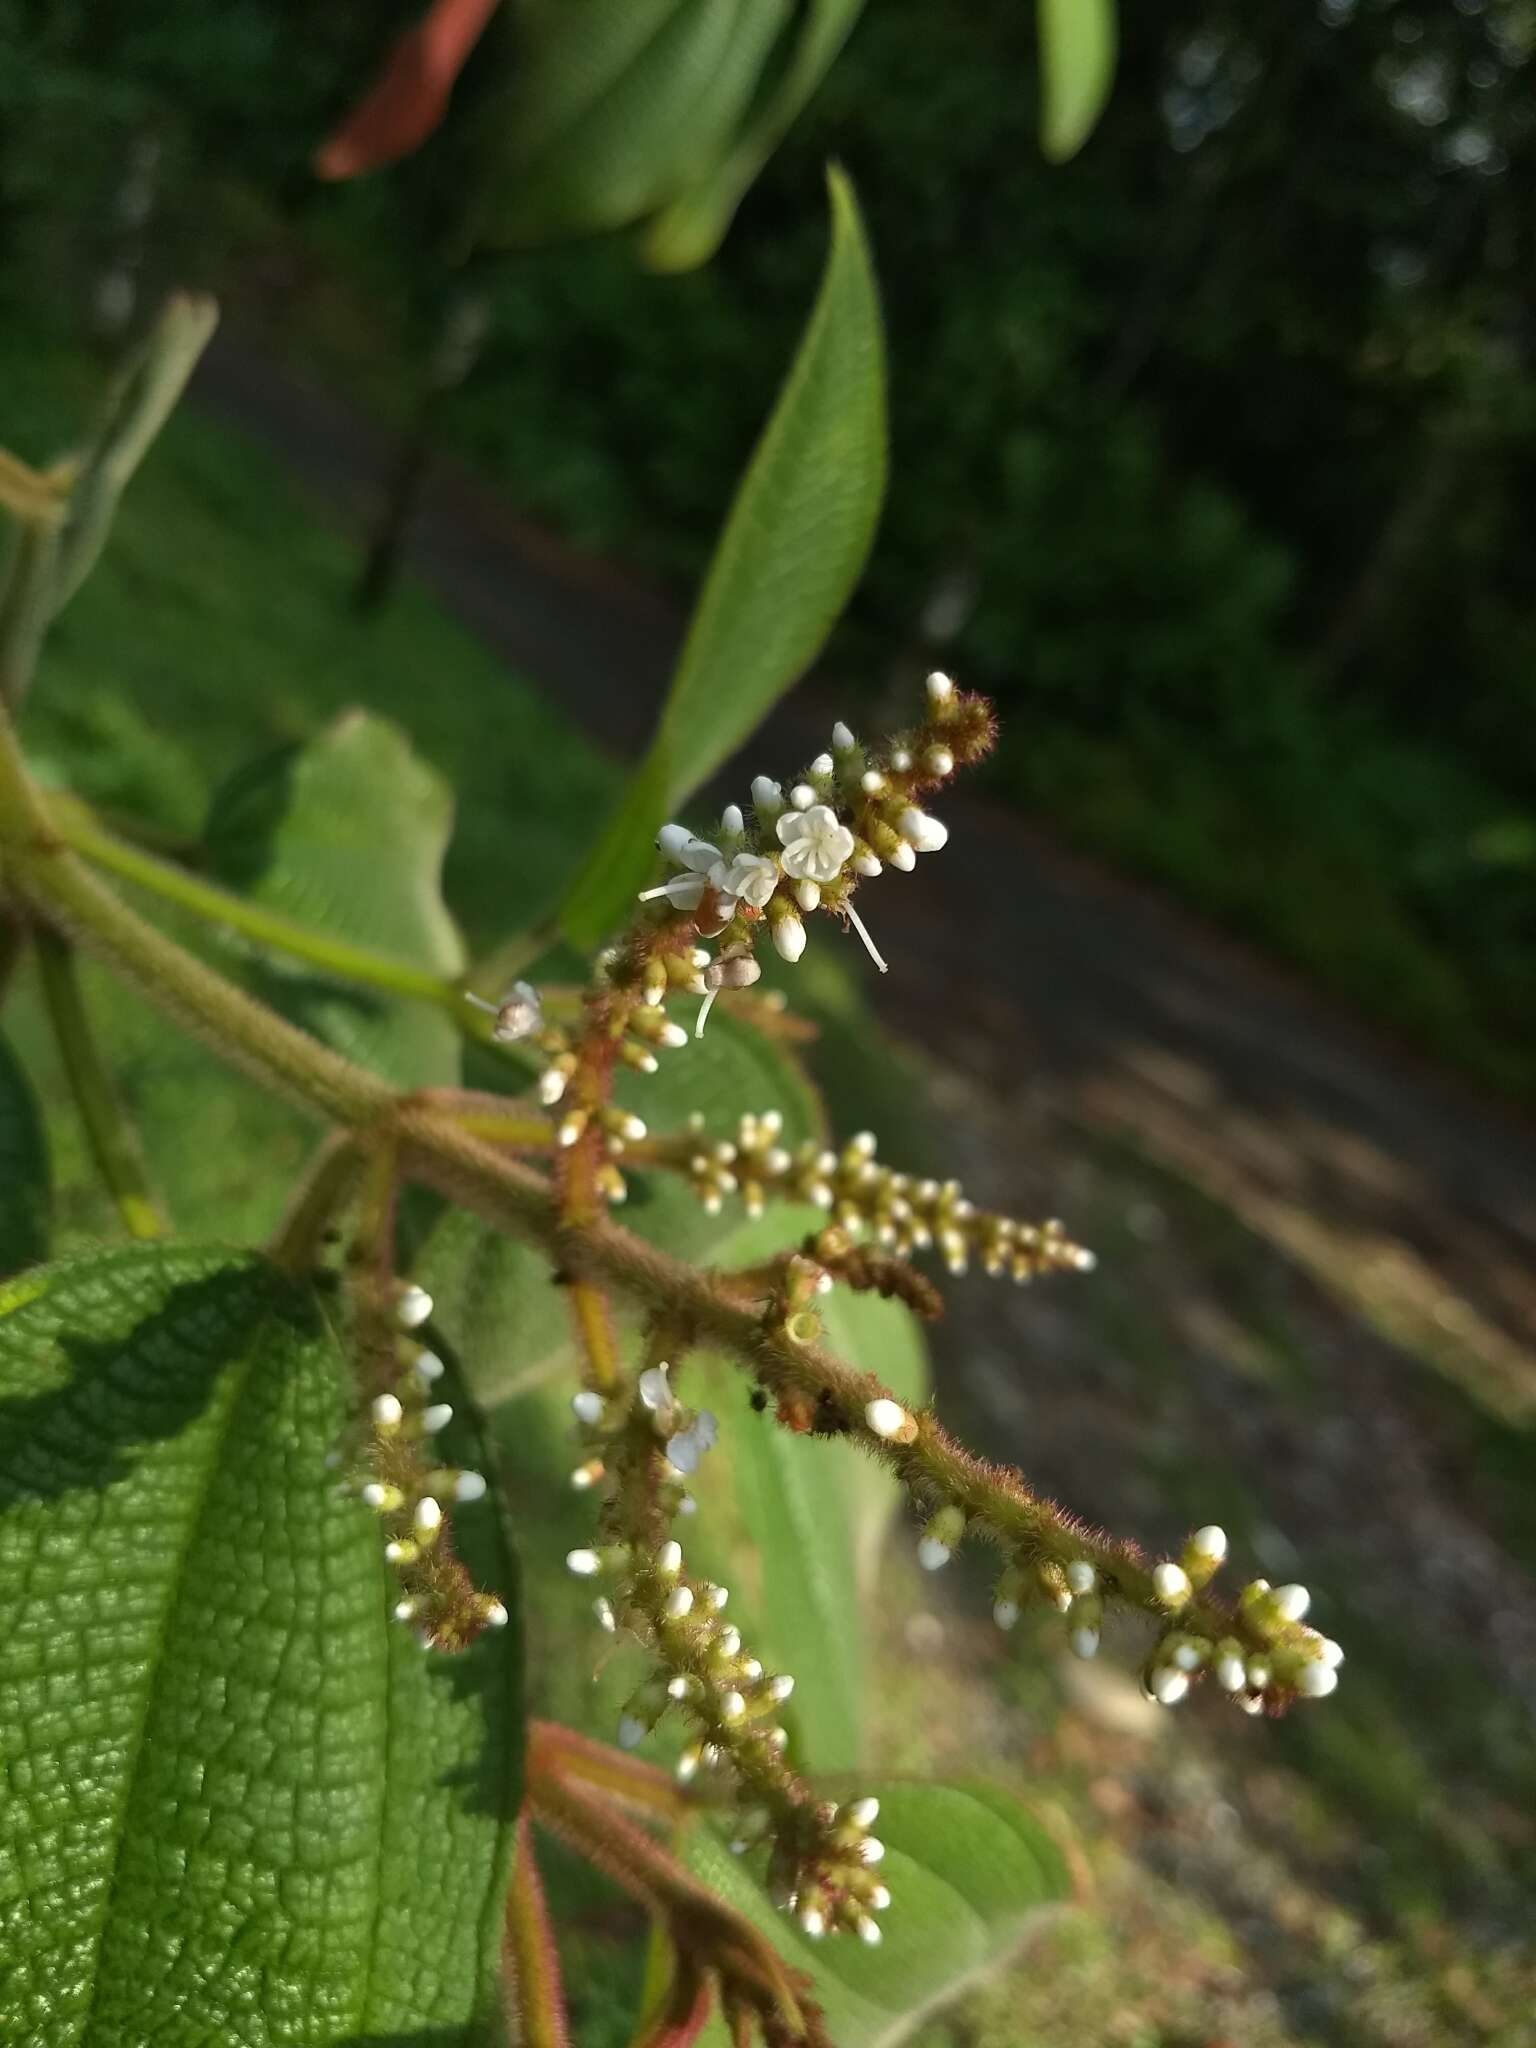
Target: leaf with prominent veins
[{"x": 239, "y": 1803}]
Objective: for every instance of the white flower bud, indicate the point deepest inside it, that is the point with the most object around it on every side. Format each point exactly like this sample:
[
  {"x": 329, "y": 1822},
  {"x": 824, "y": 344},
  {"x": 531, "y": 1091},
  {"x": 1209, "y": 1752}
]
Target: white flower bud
[
  {"x": 429, "y": 1367},
  {"x": 427, "y": 1518},
  {"x": 731, "y": 820},
  {"x": 802, "y": 796},
  {"x": 1209, "y": 1543},
  {"x": 1005, "y": 1613},
  {"x": 880, "y": 1897},
  {"x": 922, "y": 833},
  {"x": 813, "y": 1922},
  {"x": 1329, "y": 1652},
  {"x": 552, "y": 1085},
  {"x": 940, "y": 689},
  {"x": 494, "y": 1611},
  {"x": 606, "y": 1620},
  {"x": 387, "y": 1412},
  {"x": 939, "y": 761},
  {"x": 632, "y": 1731},
  {"x": 1316, "y": 1680},
  {"x": 1081, "y": 1576},
  {"x": 808, "y": 895},
  {"x": 469, "y": 1486},
  {"x": 843, "y": 741},
  {"x": 1084, "y": 1642},
  {"x": 587, "y": 1406},
  {"x": 890, "y": 1420},
  {"x": 731, "y": 1706},
  {"x": 871, "y": 1849},
  {"x": 903, "y": 859},
  {"x": 1291, "y": 1602},
  {"x": 1258, "y": 1673},
  {"x": 404, "y": 1609},
  {"x": 1170, "y": 1582},
  {"x": 863, "y": 1813},
  {"x": 437, "y": 1417},
  {"x": 679, "y": 1603},
  {"x": 789, "y": 937},
  {"x": 669, "y": 1559},
  {"x": 671, "y": 840},
  {"x": 584, "y": 1563},
  {"x": 1168, "y": 1686},
  {"x": 381, "y": 1497},
  {"x": 413, "y": 1308},
  {"x": 1231, "y": 1673},
  {"x": 933, "y": 1555},
  {"x": 780, "y": 1688},
  {"x": 871, "y": 782},
  {"x": 868, "y": 1930}
]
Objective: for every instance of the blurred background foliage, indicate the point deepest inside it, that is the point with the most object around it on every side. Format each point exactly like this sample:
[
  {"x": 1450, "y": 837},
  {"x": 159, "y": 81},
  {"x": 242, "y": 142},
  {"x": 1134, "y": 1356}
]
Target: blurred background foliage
[{"x": 1217, "y": 451}]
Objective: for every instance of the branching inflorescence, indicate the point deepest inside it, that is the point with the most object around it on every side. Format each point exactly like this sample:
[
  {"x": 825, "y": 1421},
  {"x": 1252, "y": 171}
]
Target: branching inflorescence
[{"x": 855, "y": 812}]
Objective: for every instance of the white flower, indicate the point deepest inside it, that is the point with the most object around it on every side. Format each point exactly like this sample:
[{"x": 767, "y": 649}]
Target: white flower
[
  {"x": 751, "y": 877},
  {"x": 816, "y": 843},
  {"x": 689, "y": 1445},
  {"x": 696, "y": 857}
]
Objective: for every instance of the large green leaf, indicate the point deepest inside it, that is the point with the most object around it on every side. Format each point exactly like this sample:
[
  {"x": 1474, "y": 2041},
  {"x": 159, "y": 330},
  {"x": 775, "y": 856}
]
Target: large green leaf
[
  {"x": 689, "y": 230},
  {"x": 612, "y": 106},
  {"x": 793, "y": 545},
  {"x": 242, "y": 1806},
  {"x": 969, "y": 1871},
  {"x": 24, "y": 1174},
  {"x": 347, "y": 834},
  {"x": 1077, "y": 69}
]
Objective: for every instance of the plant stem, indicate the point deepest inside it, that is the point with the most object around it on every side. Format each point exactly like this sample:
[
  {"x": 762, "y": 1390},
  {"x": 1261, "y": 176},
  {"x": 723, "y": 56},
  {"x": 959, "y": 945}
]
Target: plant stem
[
  {"x": 531, "y": 1960},
  {"x": 327, "y": 1185},
  {"x": 24, "y": 604},
  {"x": 271, "y": 928},
  {"x": 113, "y": 1140},
  {"x": 137, "y": 407}
]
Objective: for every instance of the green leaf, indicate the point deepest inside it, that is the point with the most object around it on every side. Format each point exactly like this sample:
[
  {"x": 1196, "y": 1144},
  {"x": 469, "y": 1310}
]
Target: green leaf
[
  {"x": 969, "y": 1871},
  {"x": 242, "y": 1805},
  {"x": 613, "y": 106},
  {"x": 1077, "y": 69},
  {"x": 24, "y": 1174},
  {"x": 691, "y": 228},
  {"x": 347, "y": 834},
  {"x": 793, "y": 544}
]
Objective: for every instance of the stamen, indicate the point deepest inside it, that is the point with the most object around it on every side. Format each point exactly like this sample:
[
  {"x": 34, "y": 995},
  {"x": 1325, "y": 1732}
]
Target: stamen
[
  {"x": 704, "y": 1009},
  {"x": 869, "y": 945}
]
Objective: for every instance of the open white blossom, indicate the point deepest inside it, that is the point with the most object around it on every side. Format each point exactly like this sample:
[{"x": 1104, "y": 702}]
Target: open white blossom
[
  {"x": 689, "y": 1445},
  {"x": 698, "y": 860},
  {"x": 749, "y": 878},
  {"x": 816, "y": 843}
]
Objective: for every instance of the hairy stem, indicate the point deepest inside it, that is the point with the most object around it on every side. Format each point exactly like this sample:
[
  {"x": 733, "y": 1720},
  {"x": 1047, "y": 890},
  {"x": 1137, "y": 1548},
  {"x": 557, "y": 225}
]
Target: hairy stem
[
  {"x": 172, "y": 884},
  {"x": 530, "y": 1959},
  {"x": 109, "y": 1131}
]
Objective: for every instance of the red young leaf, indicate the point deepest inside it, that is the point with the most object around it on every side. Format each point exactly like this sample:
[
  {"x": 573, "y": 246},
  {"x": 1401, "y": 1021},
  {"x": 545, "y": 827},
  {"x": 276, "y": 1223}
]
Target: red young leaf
[{"x": 409, "y": 97}]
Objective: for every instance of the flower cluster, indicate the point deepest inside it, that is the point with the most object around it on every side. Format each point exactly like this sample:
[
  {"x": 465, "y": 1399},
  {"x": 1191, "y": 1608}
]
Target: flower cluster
[
  {"x": 854, "y": 812},
  {"x": 1265, "y": 1658},
  {"x": 896, "y": 1211},
  {"x": 822, "y": 1857},
  {"x": 406, "y": 1486}
]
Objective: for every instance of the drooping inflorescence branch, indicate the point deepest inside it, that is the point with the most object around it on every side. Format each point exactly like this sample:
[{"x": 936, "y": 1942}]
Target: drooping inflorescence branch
[{"x": 823, "y": 1857}]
